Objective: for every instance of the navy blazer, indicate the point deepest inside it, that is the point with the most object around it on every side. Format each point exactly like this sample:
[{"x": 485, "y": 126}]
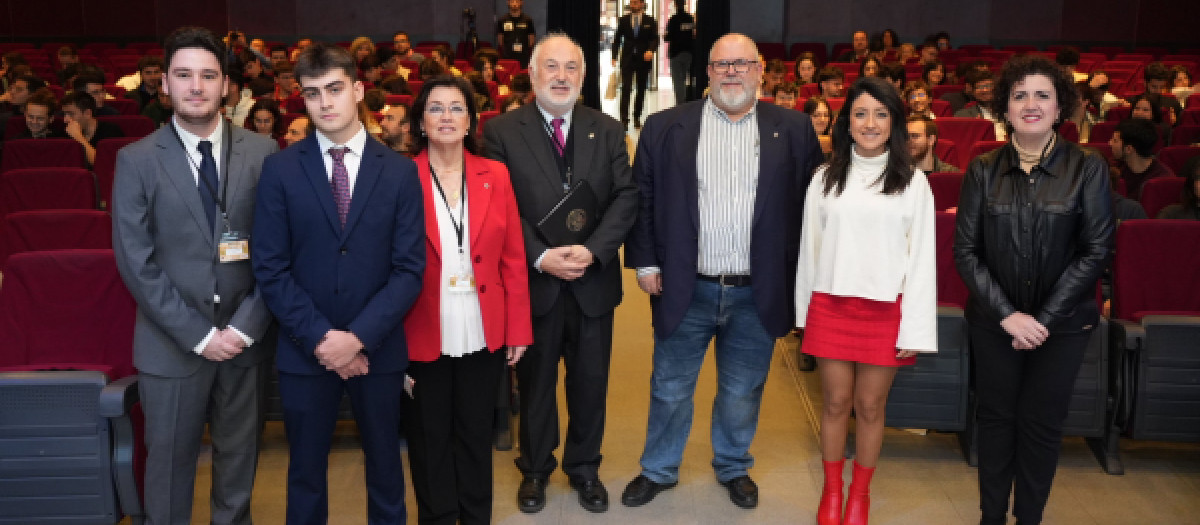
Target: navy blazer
[
  {"x": 666, "y": 231},
  {"x": 317, "y": 276}
]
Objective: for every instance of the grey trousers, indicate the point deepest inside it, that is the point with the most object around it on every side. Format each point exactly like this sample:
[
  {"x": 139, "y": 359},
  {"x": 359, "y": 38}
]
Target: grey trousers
[{"x": 681, "y": 72}]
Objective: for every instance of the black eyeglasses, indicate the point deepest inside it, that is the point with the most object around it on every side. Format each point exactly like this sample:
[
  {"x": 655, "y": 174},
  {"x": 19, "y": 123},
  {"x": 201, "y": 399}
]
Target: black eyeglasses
[{"x": 739, "y": 66}]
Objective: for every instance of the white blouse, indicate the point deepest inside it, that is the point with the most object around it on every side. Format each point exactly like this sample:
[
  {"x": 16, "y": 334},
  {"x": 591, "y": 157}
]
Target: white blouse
[
  {"x": 865, "y": 244},
  {"x": 462, "y": 320}
]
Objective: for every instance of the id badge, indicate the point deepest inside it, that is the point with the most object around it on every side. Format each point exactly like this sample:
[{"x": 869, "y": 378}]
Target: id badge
[
  {"x": 508, "y": 27},
  {"x": 233, "y": 247},
  {"x": 517, "y": 47},
  {"x": 462, "y": 281}
]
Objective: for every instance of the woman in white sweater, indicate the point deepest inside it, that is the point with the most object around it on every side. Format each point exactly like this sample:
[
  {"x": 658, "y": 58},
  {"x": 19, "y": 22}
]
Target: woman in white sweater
[{"x": 866, "y": 287}]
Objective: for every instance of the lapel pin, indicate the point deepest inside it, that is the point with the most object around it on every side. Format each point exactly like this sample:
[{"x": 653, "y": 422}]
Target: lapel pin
[
  {"x": 591, "y": 135},
  {"x": 486, "y": 186}
]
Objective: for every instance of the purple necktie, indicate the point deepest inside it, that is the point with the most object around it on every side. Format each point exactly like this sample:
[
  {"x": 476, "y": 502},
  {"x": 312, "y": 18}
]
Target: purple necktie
[
  {"x": 558, "y": 136},
  {"x": 341, "y": 183}
]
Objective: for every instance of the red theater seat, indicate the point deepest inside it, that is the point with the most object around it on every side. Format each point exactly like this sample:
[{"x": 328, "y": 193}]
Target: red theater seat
[
  {"x": 40, "y": 230},
  {"x": 42, "y": 153},
  {"x": 1159, "y": 193},
  {"x": 47, "y": 189}
]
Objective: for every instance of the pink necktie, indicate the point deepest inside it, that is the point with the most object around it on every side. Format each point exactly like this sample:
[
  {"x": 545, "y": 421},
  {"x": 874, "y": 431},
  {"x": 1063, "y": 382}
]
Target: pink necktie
[
  {"x": 341, "y": 183},
  {"x": 558, "y": 135}
]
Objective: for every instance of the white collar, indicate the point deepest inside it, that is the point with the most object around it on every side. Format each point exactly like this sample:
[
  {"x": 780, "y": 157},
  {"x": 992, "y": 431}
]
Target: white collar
[{"x": 355, "y": 144}]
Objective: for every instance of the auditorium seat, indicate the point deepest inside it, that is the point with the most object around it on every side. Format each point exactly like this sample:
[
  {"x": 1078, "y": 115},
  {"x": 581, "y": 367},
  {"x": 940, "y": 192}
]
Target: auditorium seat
[
  {"x": 947, "y": 150},
  {"x": 1107, "y": 51},
  {"x": 974, "y": 49},
  {"x": 41, "y": 230},
  {"x": 485, "y": 116},
  {"x": 984, "y": 146},
  {"x": 772, "y": 50},
  {"x": 1176, "y": 157},
  {"x": 1069, "y": 131},
  {"x": 131, "y": 125},
  {"x": 941, "y": 108},
  {"x": 941, "y": 90},
  {"x": 42, "y": 153},
  {"x": 1102, "y": 132},
  {"x": 816, "y": 48},
  {"x": 69, "y": 427},
  {"x": 946, "y": 188},
  {"x": 124, "y": 105},
  {"x": 1185, "y": 135},
  {"x": 1156, "y": 323},
  {"x": 1159, "y": 193},
  {"x": 105, "y": 166},
  {"x": 965, "y": 132},
  {"x": 1118, "y": 113},
  {"x": 47, "y": 189},
  {"x": 393, "y": 100}
]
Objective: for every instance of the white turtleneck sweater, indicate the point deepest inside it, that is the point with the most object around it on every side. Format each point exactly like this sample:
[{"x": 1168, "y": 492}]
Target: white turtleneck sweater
[{"x": 865, "y": 244}]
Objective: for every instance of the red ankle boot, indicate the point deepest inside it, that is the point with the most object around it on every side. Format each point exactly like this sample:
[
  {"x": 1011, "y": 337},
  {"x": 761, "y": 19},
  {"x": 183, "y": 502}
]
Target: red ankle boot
[
  {"x": 858, "y": 498},
  {"x": 830, "y": 510}
]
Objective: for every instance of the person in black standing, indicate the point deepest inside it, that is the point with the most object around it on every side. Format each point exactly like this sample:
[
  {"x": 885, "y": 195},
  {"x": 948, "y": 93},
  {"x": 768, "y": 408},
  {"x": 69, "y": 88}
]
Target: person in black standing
[
  {"x": 636, "y": 38},
  {"x": 681, "y": 34},
  {"x": 515, "y": 34}
]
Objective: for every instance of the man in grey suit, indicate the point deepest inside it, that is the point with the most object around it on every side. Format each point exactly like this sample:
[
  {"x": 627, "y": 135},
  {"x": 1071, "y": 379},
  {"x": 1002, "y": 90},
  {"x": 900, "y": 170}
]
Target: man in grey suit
[
  {"x": 573, "y": 289},
  {"x": 183, "y": 201}
]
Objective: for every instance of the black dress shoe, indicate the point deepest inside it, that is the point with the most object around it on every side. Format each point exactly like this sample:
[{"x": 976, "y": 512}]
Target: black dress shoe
[
  {"x": 531, "y": 495},
  {"x": 743, "y": 492},
  {"x": 592, "y": 494},
  {"x": 641, "y": 490}
]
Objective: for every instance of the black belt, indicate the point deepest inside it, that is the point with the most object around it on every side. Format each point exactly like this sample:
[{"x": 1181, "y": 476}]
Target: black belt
[{"x": 726, "y": 280}]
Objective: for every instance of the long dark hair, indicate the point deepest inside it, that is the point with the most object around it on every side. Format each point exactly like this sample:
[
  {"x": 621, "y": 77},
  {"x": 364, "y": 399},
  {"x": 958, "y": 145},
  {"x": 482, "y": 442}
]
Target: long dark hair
[
  {"x": 899, "y": 170},
  {"x": 417, "y": 116},
  {"x": 270, "y": 106}
]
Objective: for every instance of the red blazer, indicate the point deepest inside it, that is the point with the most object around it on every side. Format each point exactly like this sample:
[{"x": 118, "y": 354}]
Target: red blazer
[{"x": 498, "y": 256}]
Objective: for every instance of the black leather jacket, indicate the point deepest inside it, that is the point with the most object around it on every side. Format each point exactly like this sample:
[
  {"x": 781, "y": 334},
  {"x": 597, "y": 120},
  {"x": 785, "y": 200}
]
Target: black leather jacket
[{"x": 1035, "y": 243}]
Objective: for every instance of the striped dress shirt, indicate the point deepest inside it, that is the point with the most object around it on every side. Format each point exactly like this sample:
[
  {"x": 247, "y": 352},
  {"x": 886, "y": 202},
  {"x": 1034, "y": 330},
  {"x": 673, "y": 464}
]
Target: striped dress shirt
[{"x": 727, "y": 173}]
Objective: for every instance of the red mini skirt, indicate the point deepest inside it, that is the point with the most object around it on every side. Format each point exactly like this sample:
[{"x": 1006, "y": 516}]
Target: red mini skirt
[{"x": 853, "y": 329}]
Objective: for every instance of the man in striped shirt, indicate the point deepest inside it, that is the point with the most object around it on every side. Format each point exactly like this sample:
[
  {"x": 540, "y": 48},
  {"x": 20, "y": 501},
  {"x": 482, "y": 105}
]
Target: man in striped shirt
[{"x": 722, "y": 184}]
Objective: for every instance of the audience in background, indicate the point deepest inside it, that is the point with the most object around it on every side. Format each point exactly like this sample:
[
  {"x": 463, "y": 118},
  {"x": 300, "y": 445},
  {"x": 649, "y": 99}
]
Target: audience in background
[
  {"x": 394, "y": 128},
  {"x": 92, "y": 83},
  {"x": 265, "y": 118},
  {"x": 785, "y": 95},
  {"x": 150, "y": 71},
  {"x": 922, "y": 144},
  {"x": 1189, "y": 201},
  {"x": 39, "y": 112},
  {"x": 297, "y": 130},
  {"x": 933, "y": 73},
  {"x": 79, "y": 114},
  {"x": 920, "y": 103},
  {"x": 858, "y": 48},
  {"x": 832, "y": 82},
  {"x": 1132, "y": 146},
  {"x": 805, "y": 69}
]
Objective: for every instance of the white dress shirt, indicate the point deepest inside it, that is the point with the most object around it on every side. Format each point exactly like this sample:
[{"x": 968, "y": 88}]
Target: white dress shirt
[
  {"x": 865, "y": 244},
  {"x": 352, "y": 159}
]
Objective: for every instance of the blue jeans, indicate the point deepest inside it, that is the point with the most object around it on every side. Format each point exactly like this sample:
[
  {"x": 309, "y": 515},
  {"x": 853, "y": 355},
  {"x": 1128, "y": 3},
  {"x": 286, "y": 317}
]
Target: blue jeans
[{"x": 744, "y": 351}]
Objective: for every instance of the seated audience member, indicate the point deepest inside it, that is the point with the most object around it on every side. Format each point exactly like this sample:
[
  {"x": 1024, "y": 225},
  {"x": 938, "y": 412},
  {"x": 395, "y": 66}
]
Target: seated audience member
[
  {"x": 483, "y": 98},
  {"x": 1132, "y": 146},
  {"x": 160, "y": 110},
  {"x": 785, "y": 95},
  {"x": 832, "y": 82},
  {"x": 368, "y": 119},
  {"x": 908, "y": 53},
  {"x": 9, "y": 70},
  {"x": 512, "y": 102},
  {"x": 375, "y": 99},
  {"x": 285, "y": 82},
  {"x": 79, "y": 114},
  {"x": 1124, "y": 208},
  {"x": 301, "y": 45},
  {"x": 922, "y": 144},
  {"x": 150, "y": 71},
  {"x": 390, "y": 61},
  {"x": 859, "y": 47},
  {"x": 1158, "y": 82},
  {"x": 253, "y": 67},
  {"x": 265, "y": 118},
  {"x": 442, "y": 55},
  {"x": 395, "y": 85},
  {"x": 1096, "y": 97},
  {"x": 430, "y": 68},
  {"x": 279, "y": 54},
  {"x": 1149, "y": 106},
  {"x": 394, "y": 129},
  {"x": 896, "y": 75},
  {"x": 92, "y": 83},
  {"x": 805, "y": 69},
  {"x": 371, "y": 71},
  {"x": 773, "y": 75},
  {"x": 875, "y": 48},
  {"x": 933, "y": 73},
  {"x": 1189, "y": 203},
  {"x": 521, "y": 86},
  {"x": 918, "y": 100},
  {"x": 942, "y": 39},
  {"x": 12, "y": 102},
  {"x": 39, "y": 112},
  {"x": 68, "y": 63},
  {"x": 1181, "y": 84},
  {"x": 297, "y": 130},
  {"x": 978, "y": 88},
  {"x": 403, "y": 47},
  {"x": 870, "y": 67},
  {"x": 485, "y": 65},
  {"x": 259, "y": 47},
  {"x": 1068, "y": 58},
  {"x": 819, "y": 111},
  {"x": 929, "y": 53},
  {"x": 361, "y": 48},
  {"x": 890, "y": 41},
  {"x": 238, "y": 100}
]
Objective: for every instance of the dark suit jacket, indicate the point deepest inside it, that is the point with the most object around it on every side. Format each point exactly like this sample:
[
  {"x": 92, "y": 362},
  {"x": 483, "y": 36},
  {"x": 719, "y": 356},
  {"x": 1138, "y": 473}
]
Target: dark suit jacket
[
  {"x": 666, "y": 234},
  {"x": 631, "y": 47},
  {"x": 315, "y": 276},
  {"x": 520, "y": 141},
  {"x": 167, "y": 253}
]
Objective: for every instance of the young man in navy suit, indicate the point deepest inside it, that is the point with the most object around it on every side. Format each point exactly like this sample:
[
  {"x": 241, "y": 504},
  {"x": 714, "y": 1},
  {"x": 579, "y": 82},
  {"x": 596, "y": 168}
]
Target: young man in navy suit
[{"x": 339, "y": 253}]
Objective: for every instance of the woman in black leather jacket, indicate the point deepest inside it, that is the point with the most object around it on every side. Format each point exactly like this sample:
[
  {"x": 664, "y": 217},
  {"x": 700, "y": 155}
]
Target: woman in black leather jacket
[{"x": 1034, "y": 234}]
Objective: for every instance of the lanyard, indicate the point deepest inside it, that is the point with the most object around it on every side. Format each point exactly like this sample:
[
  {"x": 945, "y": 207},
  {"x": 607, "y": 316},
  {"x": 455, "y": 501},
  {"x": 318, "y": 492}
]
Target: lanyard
[
  {"x": 462, "y": 202},
  {"x": 223, "y": 181}
]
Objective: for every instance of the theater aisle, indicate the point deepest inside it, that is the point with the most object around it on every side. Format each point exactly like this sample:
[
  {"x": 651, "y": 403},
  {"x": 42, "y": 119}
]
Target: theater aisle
[{"x": 921, "y": 480}]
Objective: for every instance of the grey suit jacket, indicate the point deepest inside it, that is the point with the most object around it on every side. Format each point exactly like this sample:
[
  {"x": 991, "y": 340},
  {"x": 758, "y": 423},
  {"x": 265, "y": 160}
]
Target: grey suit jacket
[
  {"x": 519, "y": 140},
  {"x": 167, "y": 254}
]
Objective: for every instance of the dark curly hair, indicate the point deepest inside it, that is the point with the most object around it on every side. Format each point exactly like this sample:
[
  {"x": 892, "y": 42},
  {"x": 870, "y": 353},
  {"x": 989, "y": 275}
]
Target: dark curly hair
[
  {"x": 417, "y": 114},
  {"x": 270, "y": 106},
  {"x": 899, "y": 170},
  {"x": 1018, "y": 68}
]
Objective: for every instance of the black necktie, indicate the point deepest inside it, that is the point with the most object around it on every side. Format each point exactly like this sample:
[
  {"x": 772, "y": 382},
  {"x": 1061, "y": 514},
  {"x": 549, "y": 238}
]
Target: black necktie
[{"x": 208, "y": 182}]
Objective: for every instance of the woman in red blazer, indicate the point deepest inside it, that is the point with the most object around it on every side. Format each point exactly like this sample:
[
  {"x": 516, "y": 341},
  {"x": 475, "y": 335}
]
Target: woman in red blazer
[{"x": 474, "y": 301}]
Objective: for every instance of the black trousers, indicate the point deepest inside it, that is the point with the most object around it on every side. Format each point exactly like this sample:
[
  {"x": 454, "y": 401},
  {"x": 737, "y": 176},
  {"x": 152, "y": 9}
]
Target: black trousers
[
  {"x": 640, "y": 70},
  {"x": 448, "y": 423},
  {"x": 1023, "y": 398},
  {"x": 585, "y": 346}
]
